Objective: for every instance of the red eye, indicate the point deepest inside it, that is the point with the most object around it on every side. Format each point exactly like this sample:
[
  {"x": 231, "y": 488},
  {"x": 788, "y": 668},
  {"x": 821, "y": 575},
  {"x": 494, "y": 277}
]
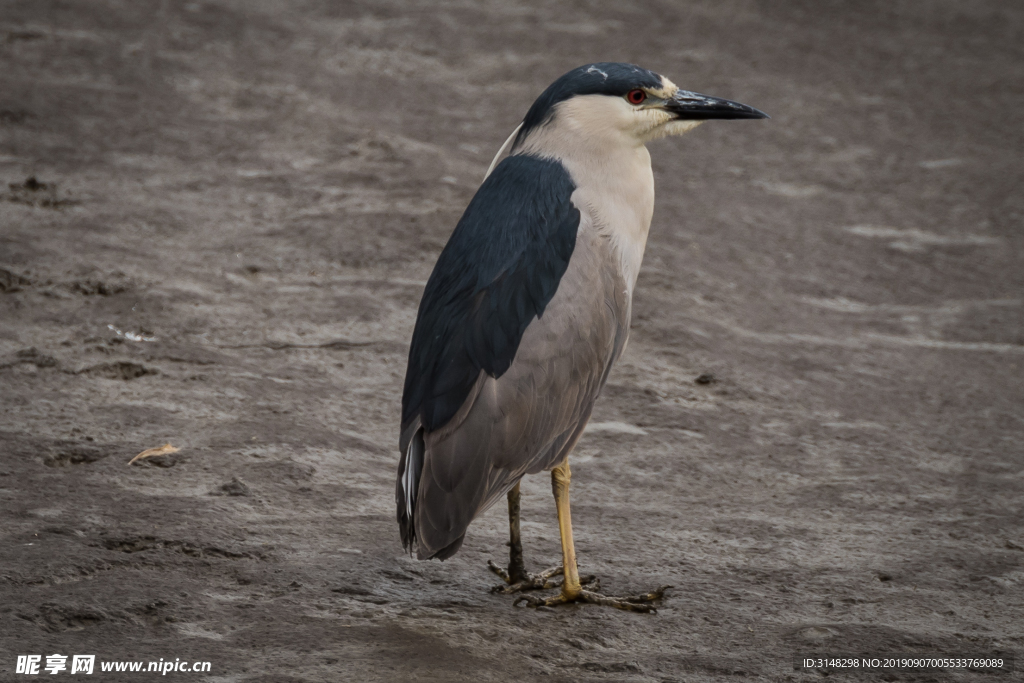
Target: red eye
[{"x": 636, "y": 96}]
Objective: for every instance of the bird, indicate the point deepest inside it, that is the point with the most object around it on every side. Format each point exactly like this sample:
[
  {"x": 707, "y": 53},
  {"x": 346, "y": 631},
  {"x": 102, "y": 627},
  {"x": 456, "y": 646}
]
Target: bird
[{"x": 526, "y": 311}]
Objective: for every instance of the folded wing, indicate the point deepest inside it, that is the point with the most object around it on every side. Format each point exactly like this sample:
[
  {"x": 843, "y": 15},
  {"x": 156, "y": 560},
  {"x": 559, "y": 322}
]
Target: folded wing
[{"x": 518, "y": 326}]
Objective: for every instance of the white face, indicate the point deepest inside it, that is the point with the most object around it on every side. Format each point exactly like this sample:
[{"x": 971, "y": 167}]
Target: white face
[{"x": 635, "y": 119}]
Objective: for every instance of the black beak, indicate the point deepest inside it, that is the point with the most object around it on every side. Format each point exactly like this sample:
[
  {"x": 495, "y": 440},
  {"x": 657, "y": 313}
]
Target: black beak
[{"x": 691, "y": 106}]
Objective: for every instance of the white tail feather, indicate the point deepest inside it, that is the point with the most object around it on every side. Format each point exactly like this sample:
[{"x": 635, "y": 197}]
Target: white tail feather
[{"x": 411, "y": 476}]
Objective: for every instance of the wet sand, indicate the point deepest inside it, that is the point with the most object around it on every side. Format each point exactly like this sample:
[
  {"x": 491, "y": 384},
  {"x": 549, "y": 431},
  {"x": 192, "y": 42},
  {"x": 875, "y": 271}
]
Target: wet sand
[{"x": 218, "y": 218}]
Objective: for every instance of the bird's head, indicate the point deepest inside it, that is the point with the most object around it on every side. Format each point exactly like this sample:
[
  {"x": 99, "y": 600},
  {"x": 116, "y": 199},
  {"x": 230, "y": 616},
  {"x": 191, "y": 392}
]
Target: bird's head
[{"x": 615, "y": 103}]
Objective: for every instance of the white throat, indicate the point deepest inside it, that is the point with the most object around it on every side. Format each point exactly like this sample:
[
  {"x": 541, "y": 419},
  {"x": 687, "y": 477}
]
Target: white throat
[{"x": 612, "y": 173}]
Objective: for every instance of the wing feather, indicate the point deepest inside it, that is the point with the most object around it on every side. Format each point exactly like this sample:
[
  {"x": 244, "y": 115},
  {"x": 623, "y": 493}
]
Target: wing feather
[{"x": 497, "y": 273}]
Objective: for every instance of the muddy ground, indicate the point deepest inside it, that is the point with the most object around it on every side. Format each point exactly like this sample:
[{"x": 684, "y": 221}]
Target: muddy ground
[{"x": 216, "y": 224}]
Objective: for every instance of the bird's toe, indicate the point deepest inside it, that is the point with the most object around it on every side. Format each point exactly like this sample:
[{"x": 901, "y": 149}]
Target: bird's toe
[
  {"x": 499, "y": 570},
  {"x": 630, "y": 603},
  {"x": 549, "y": 578},
  {"x": 541, "y": 602}
]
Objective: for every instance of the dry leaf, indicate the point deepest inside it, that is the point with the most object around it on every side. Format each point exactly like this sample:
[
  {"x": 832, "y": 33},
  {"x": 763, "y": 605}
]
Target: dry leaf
[{"x": 166, "y": 449}]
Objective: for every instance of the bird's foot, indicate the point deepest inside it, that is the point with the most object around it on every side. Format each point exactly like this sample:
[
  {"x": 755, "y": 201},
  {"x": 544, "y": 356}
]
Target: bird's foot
[
  {"x": 632, "y": 603},
  {"x": 524, "y": 581}
]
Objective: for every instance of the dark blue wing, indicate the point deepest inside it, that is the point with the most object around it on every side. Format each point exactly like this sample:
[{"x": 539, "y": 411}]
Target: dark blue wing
[{"x": 497, "y": 273}]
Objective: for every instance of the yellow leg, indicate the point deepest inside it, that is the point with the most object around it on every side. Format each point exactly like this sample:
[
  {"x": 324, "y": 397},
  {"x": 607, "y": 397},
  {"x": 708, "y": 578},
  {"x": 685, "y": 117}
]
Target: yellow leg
[
  {"x": 572, "y": 591},
  {"x": 560, "y": 477}
]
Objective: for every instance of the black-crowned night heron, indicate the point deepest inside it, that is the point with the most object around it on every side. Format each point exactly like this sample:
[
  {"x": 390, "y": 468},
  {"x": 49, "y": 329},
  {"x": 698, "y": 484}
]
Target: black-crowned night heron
[{"x": 527, "y": 309}]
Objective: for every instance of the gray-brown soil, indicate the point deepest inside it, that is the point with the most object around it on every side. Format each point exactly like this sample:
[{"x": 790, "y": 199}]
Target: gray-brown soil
[{"x": 217, "y": 220}]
